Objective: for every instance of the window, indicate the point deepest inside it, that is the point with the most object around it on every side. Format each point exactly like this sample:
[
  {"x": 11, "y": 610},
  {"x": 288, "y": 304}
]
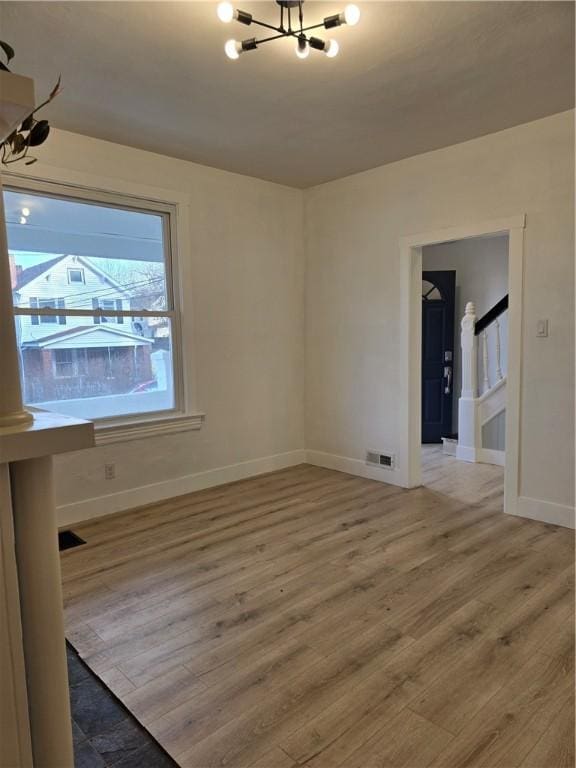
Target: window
[
  {"x": 75, "y": 275},
  {"x": 108, "y": 304},
  {"x": 97, "y": 326},
  {"x": 47, "y": 304},
  {"x": 63, "y": 363},
  {"x": 429, "y": 291}
]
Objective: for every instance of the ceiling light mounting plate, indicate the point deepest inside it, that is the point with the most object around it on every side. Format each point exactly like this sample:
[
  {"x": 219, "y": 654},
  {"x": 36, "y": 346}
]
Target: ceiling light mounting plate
[{"x": 288, "y": 3}]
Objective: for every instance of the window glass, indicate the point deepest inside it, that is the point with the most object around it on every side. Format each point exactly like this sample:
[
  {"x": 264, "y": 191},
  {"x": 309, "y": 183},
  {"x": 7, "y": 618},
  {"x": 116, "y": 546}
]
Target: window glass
[
  {"x": 67, "y": 257},
  {"x": 47, "y": 304},
  {"x": 75, "y": 275},
  {"x": 430, "y": 291}
]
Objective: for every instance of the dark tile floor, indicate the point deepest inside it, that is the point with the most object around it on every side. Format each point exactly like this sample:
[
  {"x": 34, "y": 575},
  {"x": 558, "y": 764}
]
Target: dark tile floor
[{"x": 105, "y": 734}]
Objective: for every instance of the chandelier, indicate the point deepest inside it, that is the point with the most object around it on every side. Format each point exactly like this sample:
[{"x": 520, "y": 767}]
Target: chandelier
[{"x": 291, "y": 25}]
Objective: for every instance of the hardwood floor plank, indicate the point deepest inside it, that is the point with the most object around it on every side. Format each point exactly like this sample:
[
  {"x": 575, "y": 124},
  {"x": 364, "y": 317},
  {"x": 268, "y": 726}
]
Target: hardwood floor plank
[
  {"x": 408, "y": 741},
  {"x": 162, "y": 694},
  {"x": 505, "y": 730},
  {"x": 308, "y": 617},
  {"x": 276, "y": 758},
  {"x": 256, "y": 730},
  {"x": 555, "y": 748}
]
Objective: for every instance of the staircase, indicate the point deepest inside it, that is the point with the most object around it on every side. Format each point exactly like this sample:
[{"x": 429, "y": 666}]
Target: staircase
[{"x": 482, "y": 404}]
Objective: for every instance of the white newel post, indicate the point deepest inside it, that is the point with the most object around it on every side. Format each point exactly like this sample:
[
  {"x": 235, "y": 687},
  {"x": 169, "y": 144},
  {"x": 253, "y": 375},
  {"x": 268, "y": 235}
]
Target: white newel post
[
  {"x": 35, "y": 727},
  {"x": 468, "y": 428}
]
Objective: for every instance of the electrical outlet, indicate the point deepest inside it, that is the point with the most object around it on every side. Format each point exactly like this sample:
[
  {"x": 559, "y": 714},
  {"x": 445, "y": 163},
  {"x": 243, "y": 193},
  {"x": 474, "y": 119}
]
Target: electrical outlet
[{"x": 109, "y": 471}]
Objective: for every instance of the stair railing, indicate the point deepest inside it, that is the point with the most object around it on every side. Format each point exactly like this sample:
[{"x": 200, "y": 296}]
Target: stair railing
[
  {"x": 489, "y": 330},
  {"x": 488, "y": 326}
]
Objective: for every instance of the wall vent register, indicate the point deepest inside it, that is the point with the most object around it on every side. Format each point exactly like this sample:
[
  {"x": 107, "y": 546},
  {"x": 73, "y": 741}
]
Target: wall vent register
[
  {"x": 385, "y": 460},
  {"x": 68, "y": 539}
]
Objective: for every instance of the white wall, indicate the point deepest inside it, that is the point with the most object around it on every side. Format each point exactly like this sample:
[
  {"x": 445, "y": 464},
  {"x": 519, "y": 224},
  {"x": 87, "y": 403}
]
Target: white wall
[
  {"x": 245, "y": 297},
  {"x": 481, "y": 265},
  {"x": 354, "y": 388},
  {"x": 245, "y": 268}
]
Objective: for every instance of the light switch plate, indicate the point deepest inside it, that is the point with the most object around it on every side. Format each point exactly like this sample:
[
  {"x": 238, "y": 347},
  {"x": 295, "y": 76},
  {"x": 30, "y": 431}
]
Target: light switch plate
[{"x": 542, "y": 328}]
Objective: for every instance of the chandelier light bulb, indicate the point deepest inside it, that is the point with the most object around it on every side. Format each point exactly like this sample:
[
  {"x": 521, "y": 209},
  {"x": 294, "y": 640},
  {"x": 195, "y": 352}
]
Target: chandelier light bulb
[
  {"x": 351, "y": 15},
  {"x": 302, "y": 48},
  {"x": 231, "y": 49},
  {"x": 331, "y": 49},
  {"x": 225, "y": 12},
  {"x": 25, "y": 211},
  {"x": 22, "y": 219}
]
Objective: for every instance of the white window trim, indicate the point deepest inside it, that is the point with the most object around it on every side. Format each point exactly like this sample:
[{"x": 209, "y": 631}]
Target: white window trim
[
  {"x": 82, "y": 274},
  {"x": 92, "y": 187},
  {"x": 106, "y": 433}
]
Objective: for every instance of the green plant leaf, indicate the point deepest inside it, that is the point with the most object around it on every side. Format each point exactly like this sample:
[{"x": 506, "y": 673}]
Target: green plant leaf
[
  {"x": 56, "y": 90},
  {"x": 4, "y": 67},
  {"x": 8, "y": 50},
  {"x": 27, "y": 124},
  {"x": 39, "y": 133},
  {"x": 18, "y": 144}
]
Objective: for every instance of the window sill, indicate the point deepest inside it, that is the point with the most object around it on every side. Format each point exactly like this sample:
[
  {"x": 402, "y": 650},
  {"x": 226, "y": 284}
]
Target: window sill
[{"x": 120, "y": 433}]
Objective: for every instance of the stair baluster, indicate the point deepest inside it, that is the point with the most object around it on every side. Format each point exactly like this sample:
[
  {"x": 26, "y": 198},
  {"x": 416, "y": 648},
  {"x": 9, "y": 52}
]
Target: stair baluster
[
  {"x": 486, "y": 380},
  {"x": 480, "y": 403},
  {"x": 498, "y": 358}
]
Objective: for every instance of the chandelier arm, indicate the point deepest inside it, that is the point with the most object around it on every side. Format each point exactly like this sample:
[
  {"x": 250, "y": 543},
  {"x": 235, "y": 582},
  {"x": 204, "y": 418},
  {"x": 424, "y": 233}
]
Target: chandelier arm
[
  {"x": 313, "y": 26},
  {"x": 274, "y": 37},
  {"x": 268, "y": 26}
]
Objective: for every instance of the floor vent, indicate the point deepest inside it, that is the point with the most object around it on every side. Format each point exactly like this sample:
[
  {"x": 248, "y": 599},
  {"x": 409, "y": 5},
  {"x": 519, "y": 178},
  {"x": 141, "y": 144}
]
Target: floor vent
[
  {"x": 385, "y": 460},
  {"x": 68, "y": 539}
]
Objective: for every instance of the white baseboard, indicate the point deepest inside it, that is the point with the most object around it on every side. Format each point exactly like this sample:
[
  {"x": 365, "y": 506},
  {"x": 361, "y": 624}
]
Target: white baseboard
[
  {"x": 545, "y": 511},
  {"x": 149, "y": 494},
  {"x": 535, "y": 509},
  {"x": 492, "y": 456},
  {"x": 464, "y": 453},
  {"x": 353, "y": 467},
  {"x": 483, "y": 455}
]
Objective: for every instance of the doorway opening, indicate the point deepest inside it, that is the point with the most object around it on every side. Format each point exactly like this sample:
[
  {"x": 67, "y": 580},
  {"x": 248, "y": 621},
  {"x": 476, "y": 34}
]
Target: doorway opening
[
  {"x": 464, "y": 366},
  {"x": 411, "y": 405}
]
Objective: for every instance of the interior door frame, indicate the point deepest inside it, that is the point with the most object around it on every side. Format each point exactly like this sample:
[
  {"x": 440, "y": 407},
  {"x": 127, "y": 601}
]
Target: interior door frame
[{"x": 410, "y": 407}]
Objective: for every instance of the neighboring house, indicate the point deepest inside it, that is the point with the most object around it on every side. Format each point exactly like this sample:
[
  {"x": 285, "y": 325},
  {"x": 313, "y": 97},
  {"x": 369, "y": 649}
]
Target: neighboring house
[{"x": 66, "y": 357}]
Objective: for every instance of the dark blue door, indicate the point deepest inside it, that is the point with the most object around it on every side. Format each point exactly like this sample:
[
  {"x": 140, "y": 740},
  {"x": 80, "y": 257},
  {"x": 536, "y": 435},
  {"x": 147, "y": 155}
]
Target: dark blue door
[{"x": 438, "y": 292}]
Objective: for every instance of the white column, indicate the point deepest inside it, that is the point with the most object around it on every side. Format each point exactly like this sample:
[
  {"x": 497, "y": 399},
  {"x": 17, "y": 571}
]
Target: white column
[
  {"x": 38, "y": 563},
  {"x": 468, "y": 427},
  {"x": 11, "y": 408},
  {"x": 26, "y": 445},
  {"x": 15, "y": 742}
]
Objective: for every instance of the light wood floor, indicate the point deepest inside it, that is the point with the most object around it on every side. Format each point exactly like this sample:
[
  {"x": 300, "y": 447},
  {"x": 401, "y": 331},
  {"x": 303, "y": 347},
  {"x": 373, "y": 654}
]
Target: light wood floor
[
  {"x": 462, "y": 480},
  {"x": 308, "y": 617}
]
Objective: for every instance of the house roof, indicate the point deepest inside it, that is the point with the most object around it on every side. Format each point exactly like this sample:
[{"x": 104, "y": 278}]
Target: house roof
[
  {"x": 29, "y": 274},
  {"x": 62, "y": 339}
]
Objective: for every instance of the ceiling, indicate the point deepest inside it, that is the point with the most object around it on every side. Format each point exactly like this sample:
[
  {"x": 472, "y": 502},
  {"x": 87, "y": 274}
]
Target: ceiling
[{"x": 410, "y": 77}]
